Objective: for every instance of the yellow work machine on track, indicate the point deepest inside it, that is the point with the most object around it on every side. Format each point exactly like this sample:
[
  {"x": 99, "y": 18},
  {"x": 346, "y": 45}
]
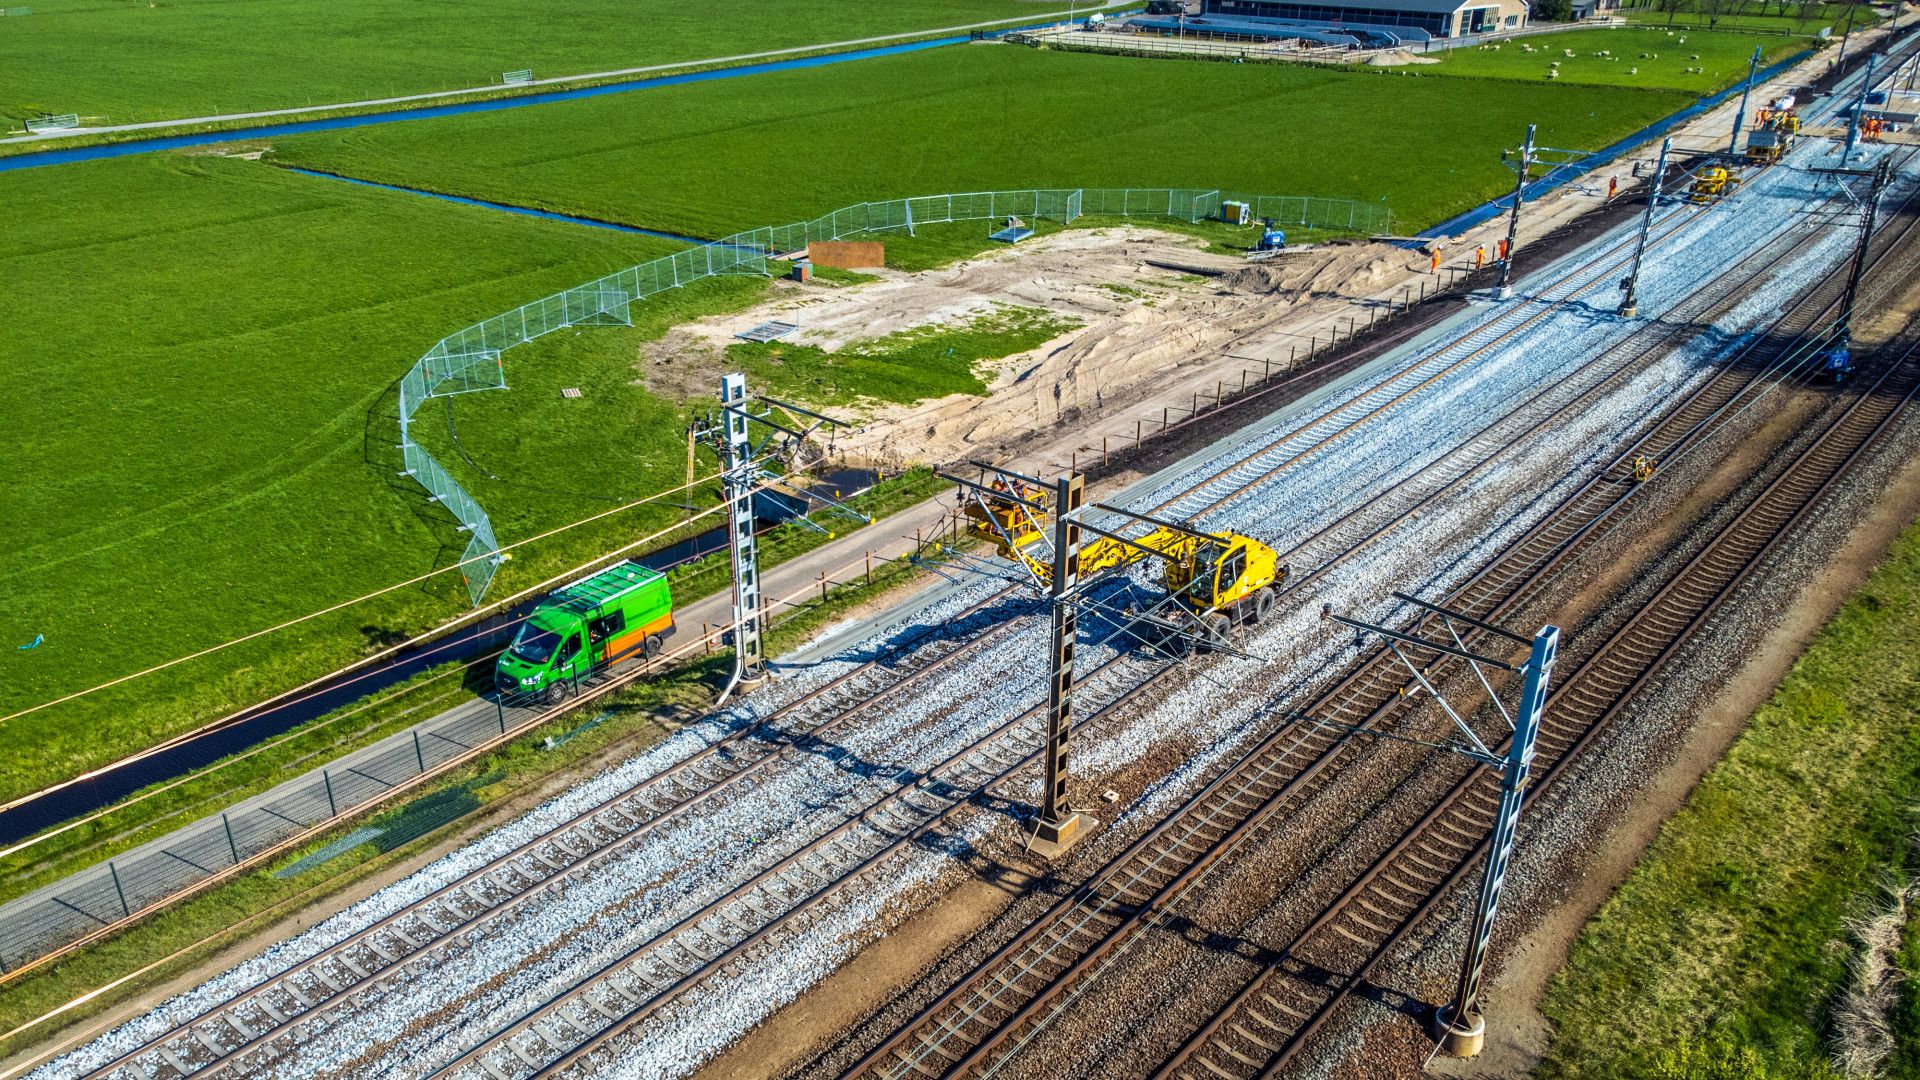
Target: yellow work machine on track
[
  {"x": 1219, "y": 581},
  {"x": 1713, "y": 184}
]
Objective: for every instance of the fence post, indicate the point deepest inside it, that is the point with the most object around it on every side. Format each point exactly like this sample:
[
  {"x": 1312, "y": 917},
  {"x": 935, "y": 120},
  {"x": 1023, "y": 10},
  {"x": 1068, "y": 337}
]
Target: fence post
[
  {"x": 500, "y": 709},
  {"x": 419, "y": 758},
  {"x": 125, "y": 911},
  {"x": 333, "y": 810},
  {"x": 869, "y": 567},
  {"x": 232, "y": 848}
]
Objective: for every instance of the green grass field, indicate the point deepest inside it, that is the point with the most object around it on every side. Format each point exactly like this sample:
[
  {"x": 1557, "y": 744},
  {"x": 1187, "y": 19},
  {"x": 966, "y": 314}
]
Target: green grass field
[
  {"x": 204, "y": 349},
  {"x": 1646, "y": 58},
  {"x": 787, "y": 146},
  {"x": 1757, "y": 15},
  {"x": 1722, "y": 954},
  {"x": 196, "y": 377},
  {"x": 122, "y": 61}
]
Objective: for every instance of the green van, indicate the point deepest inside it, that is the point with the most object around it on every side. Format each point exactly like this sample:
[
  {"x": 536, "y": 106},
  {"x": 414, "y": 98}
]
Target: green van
[{"x": 620, "y": 612}]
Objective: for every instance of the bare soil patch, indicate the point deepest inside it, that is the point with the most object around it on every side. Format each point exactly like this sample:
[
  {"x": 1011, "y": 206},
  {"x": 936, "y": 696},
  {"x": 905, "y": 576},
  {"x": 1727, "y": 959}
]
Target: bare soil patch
[{"x": 1144, "y": 329}]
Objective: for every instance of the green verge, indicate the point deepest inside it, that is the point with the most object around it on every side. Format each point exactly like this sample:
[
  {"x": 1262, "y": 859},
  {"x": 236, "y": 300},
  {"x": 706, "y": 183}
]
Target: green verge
[
  {"x": 197, "y": 380},
  {"x": 166, "y": 806},
  {"x": 1722, "y": 953},
  {"x": 1644, "y": 58},
  {"x": 906, "y": 366},
  {"x": 787, "y": 146},
  {"x": 623, "y": 725},
  {"x": 1752, "y": 15},
  {"x": 190, "y": 58}
]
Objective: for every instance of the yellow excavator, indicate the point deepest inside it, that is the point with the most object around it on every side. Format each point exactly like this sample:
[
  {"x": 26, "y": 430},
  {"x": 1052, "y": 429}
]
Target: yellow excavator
[
  {"x": 1219, "y": 580},
  {"x": 1713, "y": 184}
]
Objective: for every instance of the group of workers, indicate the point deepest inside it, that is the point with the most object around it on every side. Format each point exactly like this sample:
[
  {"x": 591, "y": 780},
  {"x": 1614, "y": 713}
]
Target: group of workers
[
  {"x": 1872, "y": 127},
  {"x": 1500, "y": 250}
]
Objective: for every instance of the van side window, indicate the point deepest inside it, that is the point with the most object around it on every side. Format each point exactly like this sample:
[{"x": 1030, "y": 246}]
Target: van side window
[
  {"x": 568, "y": 648},
  {"x": 610, "y": 626}
]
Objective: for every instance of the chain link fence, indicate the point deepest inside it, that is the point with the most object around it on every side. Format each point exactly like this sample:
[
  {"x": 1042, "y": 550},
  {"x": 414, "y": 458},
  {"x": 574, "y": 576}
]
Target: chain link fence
[{"x": 470, "y": 359}]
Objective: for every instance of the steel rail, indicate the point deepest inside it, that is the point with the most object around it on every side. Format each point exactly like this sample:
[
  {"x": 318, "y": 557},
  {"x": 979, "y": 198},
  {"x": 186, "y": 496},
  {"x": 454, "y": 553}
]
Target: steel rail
[
  {"x": 1264, "y": 1026},
  {"x": 642, "y": 1006},
  {"x": 566, "y": 850},
  {"x": 1096, "y": 931}
]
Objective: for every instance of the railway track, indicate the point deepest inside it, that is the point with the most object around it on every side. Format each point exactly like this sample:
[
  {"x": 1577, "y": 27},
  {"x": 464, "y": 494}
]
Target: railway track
[
  {"x": 251, "y": 1029},
  {"x": 1264, "y": 1026},
  {"x": 575, "y": 1023},
  {"x": 974, "y": 1025},
  {"x": 268, "y": 1011}
]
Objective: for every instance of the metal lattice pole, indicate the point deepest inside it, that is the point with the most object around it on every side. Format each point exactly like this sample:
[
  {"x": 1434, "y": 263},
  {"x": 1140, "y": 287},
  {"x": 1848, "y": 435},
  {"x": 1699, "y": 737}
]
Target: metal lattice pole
[
  {"x": 1753, "y": 68},
  {"x": 1867, "y": 215},
  {"x": 1058, "y": 823},
  {"x": 749, "y": 661},
  {"x": 1630, "y": 304},
  {"x": 1462, "y": 1028},
  {"x": 1513, "y": 221}
]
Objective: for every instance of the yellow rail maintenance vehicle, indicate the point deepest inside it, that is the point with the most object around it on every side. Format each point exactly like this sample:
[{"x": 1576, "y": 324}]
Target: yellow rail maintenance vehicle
[
  {"x": 1773, "y": 137},
  {"x": 1219, "y": 581},
  {"x": 1713, "y": 183}
]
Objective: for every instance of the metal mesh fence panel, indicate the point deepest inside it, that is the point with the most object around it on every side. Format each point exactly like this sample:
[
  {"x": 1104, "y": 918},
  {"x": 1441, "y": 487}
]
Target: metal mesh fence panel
[{"x": 470, "y": 359}]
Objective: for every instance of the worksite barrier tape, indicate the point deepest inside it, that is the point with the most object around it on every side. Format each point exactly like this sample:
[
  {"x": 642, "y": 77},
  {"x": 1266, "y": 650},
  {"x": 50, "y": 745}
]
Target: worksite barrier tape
[{"x": 471, "y": 359}]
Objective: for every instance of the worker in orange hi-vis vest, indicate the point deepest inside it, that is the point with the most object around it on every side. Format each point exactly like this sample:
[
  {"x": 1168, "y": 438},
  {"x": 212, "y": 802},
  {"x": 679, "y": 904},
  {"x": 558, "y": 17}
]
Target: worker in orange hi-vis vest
[
  {"x": 1436, "y": 260},
  {"x": 1480, "y": 256},
  {"x": 1503, "y": 249},
  {"x": 1613, "y": 185}
]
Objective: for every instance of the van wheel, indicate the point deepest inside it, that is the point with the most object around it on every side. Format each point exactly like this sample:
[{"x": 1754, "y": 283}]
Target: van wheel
[
  {"x": 555, "y": 693},
  {"x": 652, "y": 646}
]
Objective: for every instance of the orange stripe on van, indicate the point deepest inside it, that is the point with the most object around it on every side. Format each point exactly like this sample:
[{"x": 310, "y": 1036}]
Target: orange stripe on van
[{"x": 630, "y": 642}]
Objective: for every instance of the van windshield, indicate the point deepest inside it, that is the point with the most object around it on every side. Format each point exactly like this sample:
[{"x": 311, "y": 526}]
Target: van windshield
[{"x": 535, "y": 644}]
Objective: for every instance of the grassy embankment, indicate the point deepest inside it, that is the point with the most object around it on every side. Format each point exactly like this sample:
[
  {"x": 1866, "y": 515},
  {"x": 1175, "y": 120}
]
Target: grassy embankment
[
  {"x": 1642, "y": 58},
  {"x": 220, "y": 384},
  {"x": 484, "y": 791},
  {"x": 787, "y": 146},
  {"x": 115, "y": 62},
  {"x": 1724, "y": 954}
]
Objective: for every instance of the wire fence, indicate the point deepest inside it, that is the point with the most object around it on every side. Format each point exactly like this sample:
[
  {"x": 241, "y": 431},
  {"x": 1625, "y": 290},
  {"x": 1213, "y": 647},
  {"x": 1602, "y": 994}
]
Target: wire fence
[{"x": 471, "y": 359}]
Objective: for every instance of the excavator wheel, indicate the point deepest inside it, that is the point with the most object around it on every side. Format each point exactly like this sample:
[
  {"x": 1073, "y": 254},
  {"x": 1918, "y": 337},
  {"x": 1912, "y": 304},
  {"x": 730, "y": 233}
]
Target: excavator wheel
[
  {"x": 1214, "y": 628},
  {"x": 1263, "y": 602}
]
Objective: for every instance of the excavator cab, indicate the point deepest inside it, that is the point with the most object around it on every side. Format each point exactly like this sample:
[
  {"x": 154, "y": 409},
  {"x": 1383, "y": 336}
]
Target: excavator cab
[{"x": 1216, "y": 576}]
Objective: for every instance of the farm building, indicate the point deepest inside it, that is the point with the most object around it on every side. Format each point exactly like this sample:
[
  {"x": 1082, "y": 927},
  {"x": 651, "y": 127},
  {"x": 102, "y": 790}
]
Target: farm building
[{"x": 1411, "y": 20}]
